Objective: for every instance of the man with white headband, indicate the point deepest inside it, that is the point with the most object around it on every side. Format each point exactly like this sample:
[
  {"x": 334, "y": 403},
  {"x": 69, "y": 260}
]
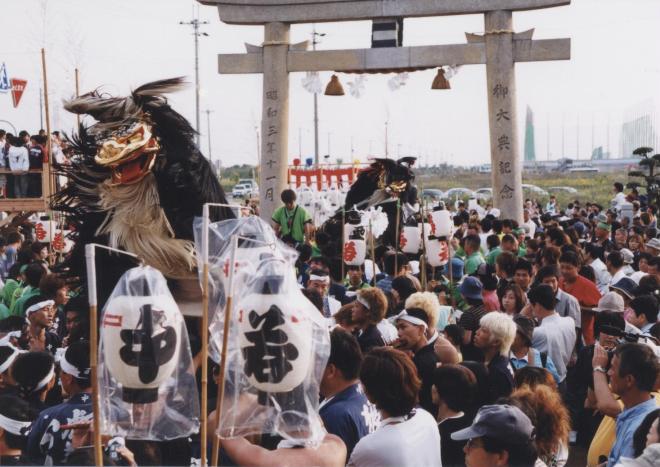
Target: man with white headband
[
  {"x": 412, "y": 324},
  {"x": 48, "y": 443},
  {"x": 15, "y": 421},
  {"x": 40, "y": 315},
  {"x": 319, "y": 281},
  {"x": 8, "y": 354}
]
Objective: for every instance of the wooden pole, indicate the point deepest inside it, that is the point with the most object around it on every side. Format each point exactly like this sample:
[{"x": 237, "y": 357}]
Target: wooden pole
[
  {"x": 203, "y": 440},
  {"x": 373, "y": 253},
  {"x": 77, "y": 94},
  {"x": 223, "y": 354},
  {"x": 343, "y": 241},
  {"x": 396, "y": 237},
  {"x": 93, "y": 352},
  {"x": 46, "y": 178},
  {"x": 90, "y": 257}
]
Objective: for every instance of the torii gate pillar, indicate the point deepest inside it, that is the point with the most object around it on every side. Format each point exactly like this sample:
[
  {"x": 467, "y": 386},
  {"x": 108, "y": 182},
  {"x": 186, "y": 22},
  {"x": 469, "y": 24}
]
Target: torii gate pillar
[
  {"x": 275, "y": 117},
  {"x": 506, "y": 173}
]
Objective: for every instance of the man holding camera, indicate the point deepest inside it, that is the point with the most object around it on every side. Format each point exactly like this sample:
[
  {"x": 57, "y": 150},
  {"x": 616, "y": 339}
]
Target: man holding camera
[{"x": 633, "y": 374}]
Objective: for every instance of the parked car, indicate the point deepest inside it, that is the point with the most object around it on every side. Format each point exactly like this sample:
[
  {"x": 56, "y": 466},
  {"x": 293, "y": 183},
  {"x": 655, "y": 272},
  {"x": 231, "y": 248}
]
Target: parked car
[
  {"x": 562, "y": 189},
  {"x": 240, "y": 191},
  {"x": 432, "y": 194},
  {"x": 537, "y": 191},
  {"x": 454, "y": 193},
  {"x": 484, "y": 193}
]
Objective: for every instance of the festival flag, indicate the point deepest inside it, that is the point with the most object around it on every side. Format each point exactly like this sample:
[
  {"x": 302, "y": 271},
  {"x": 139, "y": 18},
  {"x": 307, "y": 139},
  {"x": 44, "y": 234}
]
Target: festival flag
[
  {"x": 17, "y": 89},
  {"x": 4, "y": 81}
]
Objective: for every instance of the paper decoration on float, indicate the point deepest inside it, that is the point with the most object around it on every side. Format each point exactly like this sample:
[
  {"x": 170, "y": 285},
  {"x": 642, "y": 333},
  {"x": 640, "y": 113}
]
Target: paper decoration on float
[
  {"x": 146, "y": 376},
  {"x": 356, "y": 87}
]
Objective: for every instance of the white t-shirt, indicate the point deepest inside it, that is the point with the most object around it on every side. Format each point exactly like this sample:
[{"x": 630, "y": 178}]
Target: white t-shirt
[
  {"x": 411, "y": 443},
  {"x": 18, "y": 159}
]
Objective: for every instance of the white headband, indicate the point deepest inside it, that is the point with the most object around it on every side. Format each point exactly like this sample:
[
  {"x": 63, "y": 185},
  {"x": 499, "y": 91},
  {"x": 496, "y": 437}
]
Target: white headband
[
  {"x": 70, "y": 369},
  {"x": 7, "y": 363},
  {"x": 15, "y": 427},
  {"x": 7, "y": 338},
  {"x": 314, "y": 277},
  {"x": 411, "y": 319},
  {"x": 39, "y": 306},
  {"x": 41, "y": 384},
  {"x": 363, "y": 302}
]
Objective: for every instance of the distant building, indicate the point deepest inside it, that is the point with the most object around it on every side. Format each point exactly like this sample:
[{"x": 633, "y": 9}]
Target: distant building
[
  {"x": 530, "y": 147},
  {"x": 638, "y": 128}
]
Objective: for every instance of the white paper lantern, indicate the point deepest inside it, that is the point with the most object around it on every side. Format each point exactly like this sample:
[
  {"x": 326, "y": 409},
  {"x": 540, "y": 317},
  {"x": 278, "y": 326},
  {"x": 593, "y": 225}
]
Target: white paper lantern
[
  {"x": 355, "y": 252},
  {"x": 275, "y": 336},
  {"x": 141, "y": 343},
  {"x": 44, "y": 231},
  {"x": 441, "y": 223},
  {"x": 437, "y": 253},
  {"x": 427, "y": 230},
  {"x": 410, "y": 239}
]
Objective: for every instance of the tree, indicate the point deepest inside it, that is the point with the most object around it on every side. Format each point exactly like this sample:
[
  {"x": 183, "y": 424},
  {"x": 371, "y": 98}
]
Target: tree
[{"x": 647, "y": 166}]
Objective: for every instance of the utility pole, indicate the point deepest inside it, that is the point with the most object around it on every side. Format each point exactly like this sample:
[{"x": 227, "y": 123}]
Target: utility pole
[
  {"x": 196, "y": 23},
  {"x": 315, "y": 41},
  {"x": 208, "y": 130}
]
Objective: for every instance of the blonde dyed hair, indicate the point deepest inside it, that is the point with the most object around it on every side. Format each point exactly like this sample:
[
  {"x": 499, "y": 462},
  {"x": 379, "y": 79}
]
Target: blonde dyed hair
[
  {"x": 427, "y": 301},
  {"x": 501, "y": 328}
]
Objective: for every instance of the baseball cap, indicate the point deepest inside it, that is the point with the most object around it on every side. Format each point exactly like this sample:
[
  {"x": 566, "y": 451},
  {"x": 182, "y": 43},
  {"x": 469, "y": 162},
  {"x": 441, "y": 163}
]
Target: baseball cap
[
  {"x": 626, "y": 286},
  {"x": 611, "y": 301},
  {"x": 503, "y": 422},
  {"x": 471, "y": 288}
]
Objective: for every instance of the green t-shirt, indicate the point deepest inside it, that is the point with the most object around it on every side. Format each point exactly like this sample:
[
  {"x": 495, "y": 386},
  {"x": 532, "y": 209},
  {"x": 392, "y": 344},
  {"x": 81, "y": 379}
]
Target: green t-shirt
[
  {"x": 18, "y": 307},
  {"x": 472, "y": 262},
  {"x": 492, "y": 255},
  {"x": 292, "y": 222}
]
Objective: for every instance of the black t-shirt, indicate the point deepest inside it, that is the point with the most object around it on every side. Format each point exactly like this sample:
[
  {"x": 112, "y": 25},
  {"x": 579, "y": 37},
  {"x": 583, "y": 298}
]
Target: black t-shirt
[
  {"x": 425, "y": 360},
  {"x": 370, "y": 338},
  {"x": 36, "y": 156},
  {"x": 452, "y": 451},
  {"x": 500, "y": 378}
]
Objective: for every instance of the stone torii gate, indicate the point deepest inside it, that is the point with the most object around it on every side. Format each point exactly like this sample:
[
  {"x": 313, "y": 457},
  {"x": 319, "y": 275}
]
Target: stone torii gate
[{"x": 499, "y": 48}]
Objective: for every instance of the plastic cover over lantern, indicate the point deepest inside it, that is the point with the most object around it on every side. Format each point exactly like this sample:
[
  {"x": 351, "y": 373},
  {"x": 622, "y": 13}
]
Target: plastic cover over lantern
[
  {"x": 146, "y": 376},
  {"x": 278, "y": 342}
]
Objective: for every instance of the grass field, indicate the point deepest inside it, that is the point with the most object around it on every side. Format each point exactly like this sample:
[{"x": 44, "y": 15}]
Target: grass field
[{"x": 591, "y": 187}]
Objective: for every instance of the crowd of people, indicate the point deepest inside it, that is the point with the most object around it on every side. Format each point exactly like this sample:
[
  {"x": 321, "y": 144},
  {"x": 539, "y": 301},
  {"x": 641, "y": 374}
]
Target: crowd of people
[
  {"x": 21, "y": 159},
  {"x": 541, "y": 338}
]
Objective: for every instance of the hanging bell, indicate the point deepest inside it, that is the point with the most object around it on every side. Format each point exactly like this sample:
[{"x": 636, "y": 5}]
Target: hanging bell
[
  {"x": 334, "y": 87},
  {"x": 439, "y": 82}
]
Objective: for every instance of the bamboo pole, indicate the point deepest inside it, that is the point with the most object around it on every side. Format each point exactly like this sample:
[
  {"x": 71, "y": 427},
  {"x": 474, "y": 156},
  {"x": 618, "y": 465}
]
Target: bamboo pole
[
  {"x": 203, "y": 429},
  {"x": 373, "y": 252},
  {"x": 46, "y": 178},
  {"x": 223, "y": 355},
  {"x": 396, "y": 237},
  {"x": 343, "y": 242},
  {"x": 90, "y": 256}
]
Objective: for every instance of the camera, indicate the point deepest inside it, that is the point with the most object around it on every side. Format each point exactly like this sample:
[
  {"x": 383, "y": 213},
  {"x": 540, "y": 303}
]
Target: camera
[{"x": 112, "y": 450}]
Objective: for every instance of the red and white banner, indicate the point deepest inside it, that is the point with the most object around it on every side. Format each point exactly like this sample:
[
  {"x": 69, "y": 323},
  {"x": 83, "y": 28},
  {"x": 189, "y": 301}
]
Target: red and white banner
[{"x": 17, "y": 89}]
